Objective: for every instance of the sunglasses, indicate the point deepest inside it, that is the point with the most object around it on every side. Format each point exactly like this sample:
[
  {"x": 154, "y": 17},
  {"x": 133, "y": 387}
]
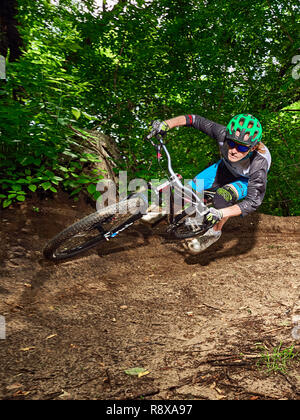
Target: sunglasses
[{"x": 240, "y": 147}]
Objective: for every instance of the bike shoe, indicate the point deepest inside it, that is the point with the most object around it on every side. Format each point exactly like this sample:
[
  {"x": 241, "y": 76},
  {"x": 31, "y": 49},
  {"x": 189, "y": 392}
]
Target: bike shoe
[
  {"x": 153, "y": 215},
  {"x": 197, "y": 245}
]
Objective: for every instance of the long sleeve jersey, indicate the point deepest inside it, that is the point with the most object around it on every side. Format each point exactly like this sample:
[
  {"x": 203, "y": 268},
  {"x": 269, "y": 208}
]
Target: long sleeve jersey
[{"x": 255, "y": 167}]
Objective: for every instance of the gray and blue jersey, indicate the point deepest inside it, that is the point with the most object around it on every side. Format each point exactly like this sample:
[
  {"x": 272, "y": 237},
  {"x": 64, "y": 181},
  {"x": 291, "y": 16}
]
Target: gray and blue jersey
[{"x": 249, "y": 176}]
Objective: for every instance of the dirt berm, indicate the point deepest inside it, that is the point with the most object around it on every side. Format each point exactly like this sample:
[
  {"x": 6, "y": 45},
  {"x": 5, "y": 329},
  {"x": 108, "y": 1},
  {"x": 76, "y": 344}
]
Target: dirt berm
[{"x": 197, "y": 325}]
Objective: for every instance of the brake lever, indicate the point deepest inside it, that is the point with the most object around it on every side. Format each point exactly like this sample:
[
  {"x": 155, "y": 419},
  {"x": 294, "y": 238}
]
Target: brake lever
[{"x": 158, "y": 137}]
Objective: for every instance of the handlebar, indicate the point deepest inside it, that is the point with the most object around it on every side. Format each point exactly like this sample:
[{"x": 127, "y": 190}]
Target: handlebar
[
  {"x": 174, "y": 177},
  {"x": 152, "y": 134}
]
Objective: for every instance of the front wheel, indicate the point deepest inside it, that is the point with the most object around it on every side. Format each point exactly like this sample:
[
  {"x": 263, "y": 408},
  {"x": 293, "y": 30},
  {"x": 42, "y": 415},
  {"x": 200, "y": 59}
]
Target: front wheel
[
  {"x": 94, "y": 228},
  {"x": 184, "y": 230},
  {"x": 186, "y": 226}
]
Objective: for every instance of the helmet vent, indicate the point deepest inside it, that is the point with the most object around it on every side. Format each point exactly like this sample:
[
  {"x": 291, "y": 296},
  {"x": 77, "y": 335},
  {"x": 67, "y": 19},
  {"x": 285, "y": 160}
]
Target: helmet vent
[
  {"x": 246, "y": 128},
  {"x": 247, "y": 135}
]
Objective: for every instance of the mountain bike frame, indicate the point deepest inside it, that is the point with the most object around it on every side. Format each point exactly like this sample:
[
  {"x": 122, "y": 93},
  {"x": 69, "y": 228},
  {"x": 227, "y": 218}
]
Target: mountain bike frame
[
  {"x": 192, "y": 204},
  {"x": 178, "y": 193}
]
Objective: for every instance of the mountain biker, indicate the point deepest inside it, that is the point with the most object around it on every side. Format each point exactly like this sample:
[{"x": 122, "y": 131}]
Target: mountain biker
[{"x": 240, "y": 174}]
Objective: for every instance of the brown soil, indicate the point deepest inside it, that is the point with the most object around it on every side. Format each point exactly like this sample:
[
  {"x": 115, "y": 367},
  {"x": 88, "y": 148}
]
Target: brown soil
[{"x": 192, "y": 322}]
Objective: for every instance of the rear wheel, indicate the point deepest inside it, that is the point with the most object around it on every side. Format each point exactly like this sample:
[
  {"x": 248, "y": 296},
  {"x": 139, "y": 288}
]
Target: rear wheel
[{"x": 94, "y": 228}]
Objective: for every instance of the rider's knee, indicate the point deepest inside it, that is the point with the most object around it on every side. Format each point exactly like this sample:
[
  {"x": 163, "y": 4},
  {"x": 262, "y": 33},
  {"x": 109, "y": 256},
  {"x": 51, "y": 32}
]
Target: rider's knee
[{"x": 225, "y": 196}]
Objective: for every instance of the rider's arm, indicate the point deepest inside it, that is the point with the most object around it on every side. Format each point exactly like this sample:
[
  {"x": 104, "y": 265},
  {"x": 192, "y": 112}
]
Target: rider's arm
[
  {"x": 176, "y": 121},
  {"x": 212, "y": 129},
  {"x": 231, "y": 211},
  {"x": 228, "y": 212},
  {"x": 255, "y": 193}
]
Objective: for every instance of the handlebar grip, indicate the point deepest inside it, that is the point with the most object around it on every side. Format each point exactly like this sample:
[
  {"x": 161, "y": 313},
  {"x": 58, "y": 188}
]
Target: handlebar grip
[{"x": 153, "y": 133}]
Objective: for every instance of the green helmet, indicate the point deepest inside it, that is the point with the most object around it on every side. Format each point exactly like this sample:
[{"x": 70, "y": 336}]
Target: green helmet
[{"x": 245, "y": 124}]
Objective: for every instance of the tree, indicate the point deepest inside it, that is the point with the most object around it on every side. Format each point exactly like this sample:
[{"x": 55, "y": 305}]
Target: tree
[{"x": 114, "y": 70}]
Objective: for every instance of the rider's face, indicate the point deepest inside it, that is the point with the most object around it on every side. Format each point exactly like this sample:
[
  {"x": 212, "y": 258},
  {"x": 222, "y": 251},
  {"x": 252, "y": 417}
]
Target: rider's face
[{"x": 235, "y": 155}]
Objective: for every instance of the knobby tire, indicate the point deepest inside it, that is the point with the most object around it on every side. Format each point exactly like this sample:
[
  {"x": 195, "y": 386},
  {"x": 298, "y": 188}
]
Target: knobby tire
[{"x": 113, "y": 216}]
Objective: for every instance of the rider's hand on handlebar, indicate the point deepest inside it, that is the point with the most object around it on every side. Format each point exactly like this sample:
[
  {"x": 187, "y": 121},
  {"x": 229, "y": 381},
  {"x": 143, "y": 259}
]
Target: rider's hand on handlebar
[{"x": 159, "y": 127}]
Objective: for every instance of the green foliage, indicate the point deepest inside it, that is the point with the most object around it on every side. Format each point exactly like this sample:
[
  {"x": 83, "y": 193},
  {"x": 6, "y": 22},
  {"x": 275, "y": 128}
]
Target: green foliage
[
  {"x": 37, "y": 148},
  {"x": 282, "y": 132},
  {"x": 116, "y": 70}
]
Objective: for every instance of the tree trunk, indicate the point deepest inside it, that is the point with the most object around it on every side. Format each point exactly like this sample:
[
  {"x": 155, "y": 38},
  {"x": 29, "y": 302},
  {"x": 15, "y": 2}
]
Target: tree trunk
[
  {"x": 9, "y": 34},
  {"x": 104, "y": 147}
]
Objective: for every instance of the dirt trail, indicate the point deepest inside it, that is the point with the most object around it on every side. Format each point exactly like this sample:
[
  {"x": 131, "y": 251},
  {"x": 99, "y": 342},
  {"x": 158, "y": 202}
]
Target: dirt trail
[{"x": 193, "y": 322}]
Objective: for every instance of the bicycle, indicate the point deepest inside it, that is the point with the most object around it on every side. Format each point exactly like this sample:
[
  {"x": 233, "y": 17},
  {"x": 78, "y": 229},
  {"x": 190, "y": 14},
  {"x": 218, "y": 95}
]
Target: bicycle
[{"x": 105, "y": 224}]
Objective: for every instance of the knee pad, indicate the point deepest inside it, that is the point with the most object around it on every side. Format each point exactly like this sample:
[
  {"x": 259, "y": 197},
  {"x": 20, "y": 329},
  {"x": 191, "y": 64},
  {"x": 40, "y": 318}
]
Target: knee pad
[{"x": 224, "y": 197}]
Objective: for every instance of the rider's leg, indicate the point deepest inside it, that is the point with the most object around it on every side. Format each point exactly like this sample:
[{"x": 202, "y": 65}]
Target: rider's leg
[
  {"x": 225, "y": 196},
  {"x": 203, "y": 181},
  {"x": 208, "y": 177}
]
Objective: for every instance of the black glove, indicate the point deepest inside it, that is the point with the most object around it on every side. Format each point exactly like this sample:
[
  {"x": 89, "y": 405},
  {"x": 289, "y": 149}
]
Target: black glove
[
  {"x": 159, "y": 127},
  {"x": 213, "y": 216}
]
